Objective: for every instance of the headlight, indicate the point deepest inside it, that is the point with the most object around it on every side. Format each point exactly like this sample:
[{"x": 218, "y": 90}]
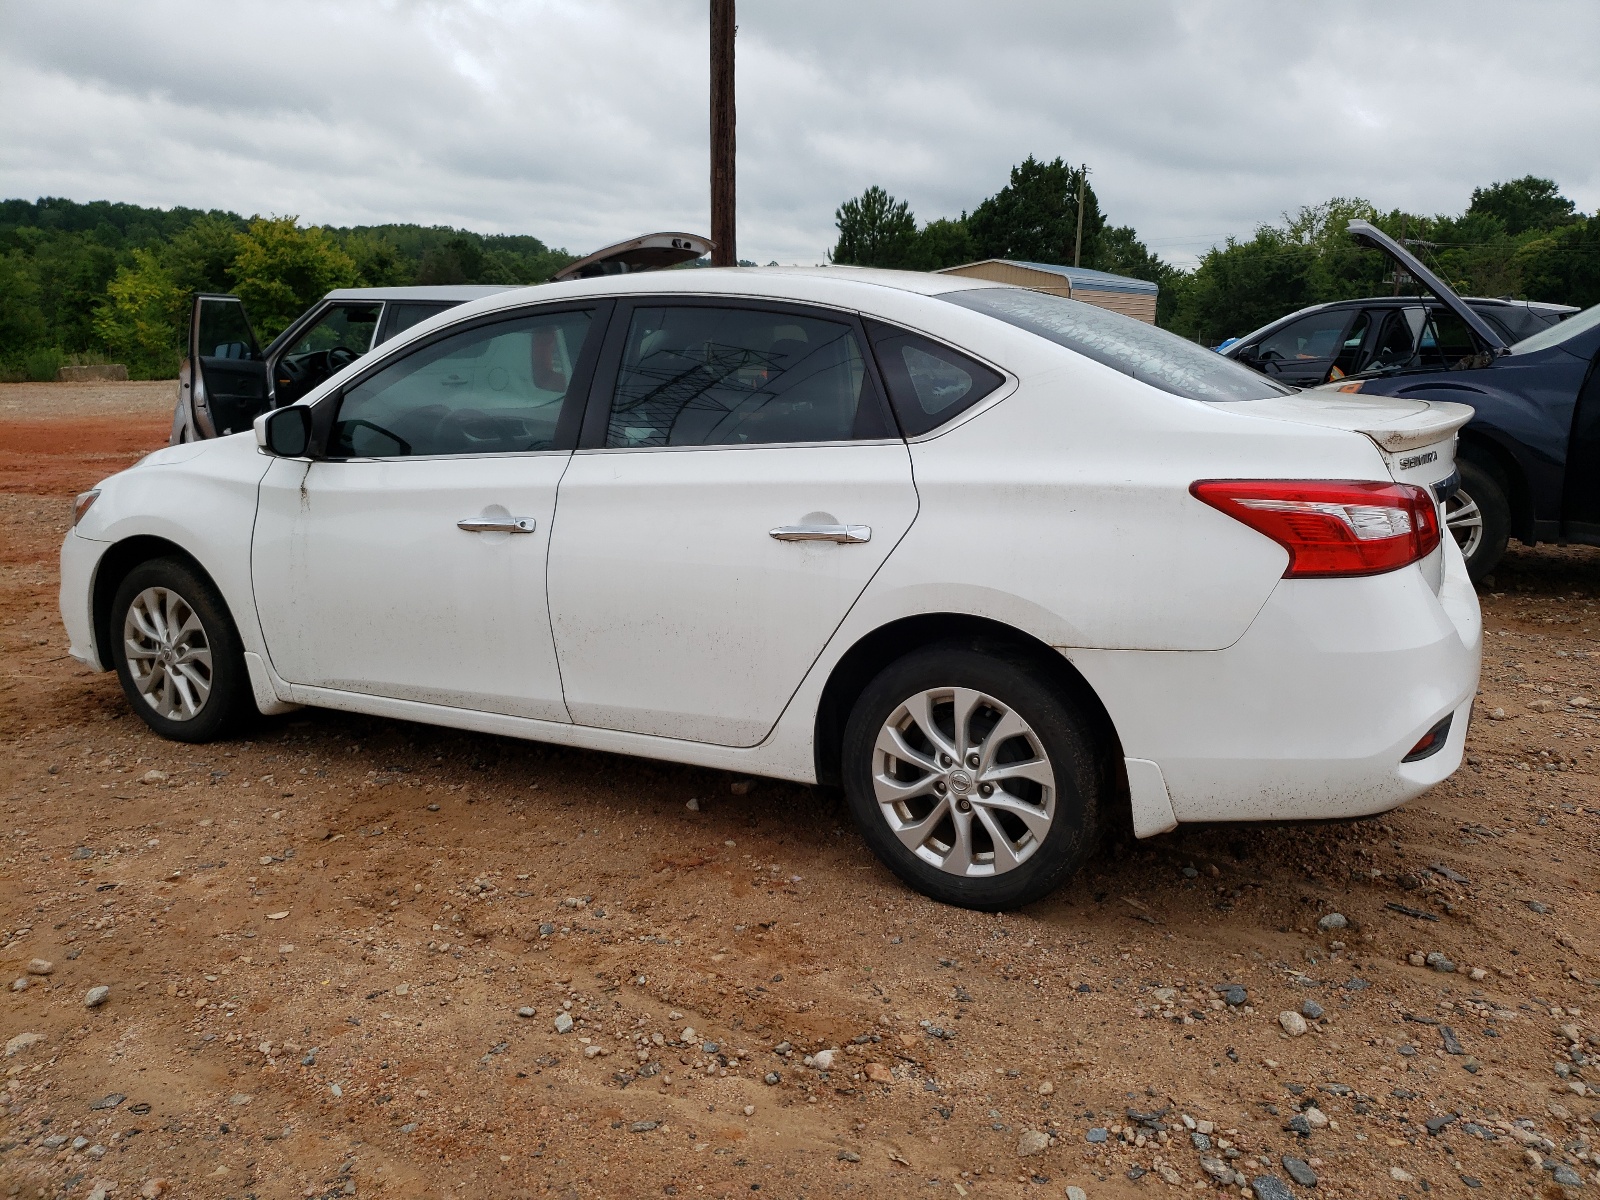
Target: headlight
[{"x": 83, "y": 504}]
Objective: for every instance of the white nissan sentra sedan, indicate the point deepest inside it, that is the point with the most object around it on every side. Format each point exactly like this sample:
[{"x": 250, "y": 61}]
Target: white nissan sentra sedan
[{"x": 1007, "y": 567}]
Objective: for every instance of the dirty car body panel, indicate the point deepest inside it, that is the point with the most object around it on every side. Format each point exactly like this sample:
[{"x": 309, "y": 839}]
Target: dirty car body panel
[{"x": 672, "y": 515}]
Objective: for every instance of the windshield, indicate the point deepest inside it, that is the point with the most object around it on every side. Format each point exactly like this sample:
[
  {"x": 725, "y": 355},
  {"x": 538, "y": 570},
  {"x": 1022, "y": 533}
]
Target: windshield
[
  {"x": 1150, "y": 355},
  {"x": 1556, "y": 334}
]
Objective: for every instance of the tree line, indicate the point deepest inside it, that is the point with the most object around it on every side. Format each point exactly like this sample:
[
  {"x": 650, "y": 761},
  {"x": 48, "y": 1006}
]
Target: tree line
[
  {"x": 1520, "y": 238},
  {"x": 108, "y": 282}
]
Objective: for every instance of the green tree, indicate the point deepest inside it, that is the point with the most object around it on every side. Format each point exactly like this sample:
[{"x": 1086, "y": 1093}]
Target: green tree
[
  {"x": 875, "y": 230},
  {"x": 143, "y": 317},
  {"x": 1034, "y": 218},
  {"x": 280, "y": 269},
  {"x": 1529, "y": 203},
  {"x": 1564, "y": 264},
  {"x": 944, "y": 242}
]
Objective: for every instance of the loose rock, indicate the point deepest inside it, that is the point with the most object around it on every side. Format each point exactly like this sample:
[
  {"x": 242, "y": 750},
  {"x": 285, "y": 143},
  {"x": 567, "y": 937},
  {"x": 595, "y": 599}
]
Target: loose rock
[
  {"x": 1292, "y": 1022},
  {"x": 96, "y": 996},
  {"x": 1032, "y": 1142},
  {"x": 878, "y": 1073},
  {"x": 1311, "y": 1010},
  {"x": 822, "y": 1060},
  {"x": 525, "y": 1011},
  {"x": 41, "y": 966},
  {"x": 1270, "y": 1187},
  {"x": 1300, "y": 1171},
  {"x": 563, "y": 1023},
  {"x": 1233, "y": 995},
  {"x": 1332, "y": 921}
]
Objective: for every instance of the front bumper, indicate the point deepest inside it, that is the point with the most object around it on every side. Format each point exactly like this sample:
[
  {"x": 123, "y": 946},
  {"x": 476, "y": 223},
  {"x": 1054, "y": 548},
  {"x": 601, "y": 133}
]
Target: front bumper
[
  {"x": 79, "y": 557},
  {"x": 1310, "y": 713}
]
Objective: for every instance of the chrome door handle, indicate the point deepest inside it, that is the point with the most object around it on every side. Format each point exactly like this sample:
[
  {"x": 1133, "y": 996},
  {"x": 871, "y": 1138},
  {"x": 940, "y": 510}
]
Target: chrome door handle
[
  {"x": 845, "y": 535},
  {"x": 497, "y": 524}
]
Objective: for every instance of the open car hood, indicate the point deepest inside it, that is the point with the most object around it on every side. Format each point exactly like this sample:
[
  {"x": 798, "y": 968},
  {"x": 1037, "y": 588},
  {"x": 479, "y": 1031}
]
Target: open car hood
[
  {"x": 651, "y": 252},
  {"x": 1368, "y": 234}
]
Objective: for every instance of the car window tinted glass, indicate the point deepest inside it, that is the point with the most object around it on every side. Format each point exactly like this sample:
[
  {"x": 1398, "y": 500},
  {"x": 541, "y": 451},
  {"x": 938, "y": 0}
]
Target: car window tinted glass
[
  {"x": 1151, "y": 355},
  {"x": 225, "y": 331},
  {"x": 1574, "y": 325},
  {"x": 1309, "y": 339},
  {"x": 495, "y": 389},
  {"x": 344, "y": 327},
  {"x": 1445, "y": 340},
  {"x": 404, "y": 314},
  {"x": 703, "y": 376},
  {"x": 929, "y": 383}
]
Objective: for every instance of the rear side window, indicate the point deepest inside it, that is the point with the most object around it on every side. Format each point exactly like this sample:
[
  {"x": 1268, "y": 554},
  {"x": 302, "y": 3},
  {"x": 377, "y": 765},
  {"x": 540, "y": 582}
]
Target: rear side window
[
  {"x": 928, "y": 383},
  {"x": 404, "y": 314},
  {"x": 707, "y": 376}
]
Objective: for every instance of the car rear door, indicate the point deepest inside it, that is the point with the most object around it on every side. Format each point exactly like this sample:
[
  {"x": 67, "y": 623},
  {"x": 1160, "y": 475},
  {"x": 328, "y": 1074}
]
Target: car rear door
[
  {"x": 743, "y": 482},
  {"x": 224, "y": 385}
]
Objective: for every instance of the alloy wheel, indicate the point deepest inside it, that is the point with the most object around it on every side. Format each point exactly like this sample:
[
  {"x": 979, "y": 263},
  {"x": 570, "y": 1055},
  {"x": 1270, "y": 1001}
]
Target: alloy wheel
[
  {"x": 1464, "y": 519},
  {"x": 963, "y": 782},
  {"x": 169, "y": 656}
]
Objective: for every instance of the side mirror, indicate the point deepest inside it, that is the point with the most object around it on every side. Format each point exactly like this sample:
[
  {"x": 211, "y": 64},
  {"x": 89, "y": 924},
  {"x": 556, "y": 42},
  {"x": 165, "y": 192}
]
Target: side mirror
[{"x": 285, "y": 432}]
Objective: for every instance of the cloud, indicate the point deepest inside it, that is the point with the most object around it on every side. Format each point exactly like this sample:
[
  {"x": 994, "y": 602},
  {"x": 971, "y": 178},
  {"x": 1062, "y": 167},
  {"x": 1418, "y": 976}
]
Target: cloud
[{"x": 584, "y": 121}]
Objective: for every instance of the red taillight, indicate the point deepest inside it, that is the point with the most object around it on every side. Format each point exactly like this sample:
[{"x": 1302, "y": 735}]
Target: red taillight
[{"x": 1332, "y": 527}]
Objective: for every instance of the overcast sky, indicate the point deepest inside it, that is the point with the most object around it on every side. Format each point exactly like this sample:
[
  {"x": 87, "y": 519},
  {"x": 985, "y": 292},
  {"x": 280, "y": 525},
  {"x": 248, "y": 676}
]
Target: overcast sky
[{"x": 584, "y": 121}]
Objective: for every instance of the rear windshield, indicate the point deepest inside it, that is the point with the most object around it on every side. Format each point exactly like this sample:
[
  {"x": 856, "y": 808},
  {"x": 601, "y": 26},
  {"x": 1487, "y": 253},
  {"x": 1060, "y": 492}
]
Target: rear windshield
[
  {"x": 1556, "y": 334},
  {"x": 1150, "y": 355}
]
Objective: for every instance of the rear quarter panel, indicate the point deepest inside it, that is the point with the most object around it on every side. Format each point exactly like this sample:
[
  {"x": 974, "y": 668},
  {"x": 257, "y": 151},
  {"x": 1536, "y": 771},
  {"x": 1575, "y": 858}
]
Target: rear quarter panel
[{"x": 1064, "y": 510}]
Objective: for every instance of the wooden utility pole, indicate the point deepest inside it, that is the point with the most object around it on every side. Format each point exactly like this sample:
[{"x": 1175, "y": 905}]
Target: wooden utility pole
[
  {"x": 1083, "y": 183},
  {"x": 722, "y": 135}
]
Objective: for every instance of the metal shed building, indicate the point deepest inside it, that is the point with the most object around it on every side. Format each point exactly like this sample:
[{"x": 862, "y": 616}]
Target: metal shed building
[{"x": 1119, "y": 293}]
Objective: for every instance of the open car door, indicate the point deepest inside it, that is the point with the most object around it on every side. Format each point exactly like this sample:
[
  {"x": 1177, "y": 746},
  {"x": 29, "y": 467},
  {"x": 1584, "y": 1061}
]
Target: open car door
[
  {"x": 223, "y": 386},
  {"x": 651, "y": 252}
]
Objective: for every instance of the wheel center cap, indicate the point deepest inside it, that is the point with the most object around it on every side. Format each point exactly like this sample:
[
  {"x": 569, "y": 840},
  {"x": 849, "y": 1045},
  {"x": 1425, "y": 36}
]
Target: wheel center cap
[{"x": 960, "y": 782}]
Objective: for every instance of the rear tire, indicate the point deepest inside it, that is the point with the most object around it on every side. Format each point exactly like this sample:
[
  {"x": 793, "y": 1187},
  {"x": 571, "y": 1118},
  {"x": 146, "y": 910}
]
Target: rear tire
[
  {"x": 956, "y": 814},
  {"x": 177, "y": 652},
  {"x": 1478, "y": 516}
]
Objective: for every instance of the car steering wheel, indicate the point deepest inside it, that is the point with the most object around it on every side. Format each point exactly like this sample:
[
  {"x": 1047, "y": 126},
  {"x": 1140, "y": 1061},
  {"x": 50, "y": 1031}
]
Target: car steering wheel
[{"x": 340, "y": 357}]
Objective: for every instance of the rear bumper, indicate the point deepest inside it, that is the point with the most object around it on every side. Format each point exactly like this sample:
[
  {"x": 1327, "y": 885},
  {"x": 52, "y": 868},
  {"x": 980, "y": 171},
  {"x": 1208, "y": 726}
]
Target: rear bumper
[{"x": 1310, "y": 713}]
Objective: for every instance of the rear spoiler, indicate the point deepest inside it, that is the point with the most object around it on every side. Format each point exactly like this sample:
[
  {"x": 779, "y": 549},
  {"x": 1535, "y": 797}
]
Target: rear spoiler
[
  {"x": 651, "y": 252},
  {"x": 1368, "y": 234}
]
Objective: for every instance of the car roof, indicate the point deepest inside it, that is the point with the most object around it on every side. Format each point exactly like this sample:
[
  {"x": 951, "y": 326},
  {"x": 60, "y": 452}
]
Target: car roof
[
  {"x": 451, "y": 293},
  {"x": 847, "y": 287}
]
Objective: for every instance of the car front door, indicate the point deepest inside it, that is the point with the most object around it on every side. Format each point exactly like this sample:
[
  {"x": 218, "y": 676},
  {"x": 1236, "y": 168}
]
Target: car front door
[
  {"x": 407, "y": 559},
  {"x": 224, "y": 382},
  {"x": 1582, "y": 501},
  {"x": 742, "y": 484}
]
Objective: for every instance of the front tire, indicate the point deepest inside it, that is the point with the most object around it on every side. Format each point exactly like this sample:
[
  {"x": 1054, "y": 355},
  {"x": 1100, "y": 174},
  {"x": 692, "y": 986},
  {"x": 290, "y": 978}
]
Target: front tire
[
  {"x": 972, "y": 777},
  {"x": 177, "y": 653},
  {"x": 1478, "y": 516}
]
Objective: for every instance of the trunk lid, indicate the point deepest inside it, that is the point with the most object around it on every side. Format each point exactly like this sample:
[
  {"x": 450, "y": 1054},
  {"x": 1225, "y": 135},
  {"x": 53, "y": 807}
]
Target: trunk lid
[{"x": 1417, "y": 438}]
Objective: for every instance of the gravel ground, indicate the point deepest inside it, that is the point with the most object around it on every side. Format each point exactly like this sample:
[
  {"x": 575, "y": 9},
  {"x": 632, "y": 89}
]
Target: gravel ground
[{"x": 339, "y": 955}]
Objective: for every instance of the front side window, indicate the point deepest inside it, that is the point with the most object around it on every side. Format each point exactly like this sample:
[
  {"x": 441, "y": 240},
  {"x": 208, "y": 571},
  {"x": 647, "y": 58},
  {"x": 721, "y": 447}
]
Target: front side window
[
  {"x": 1148, "y": 354},
  {"x": 340, "y": 336},
  {"x": 705, "y": 376},
  {"x": 1310, "y": 341},
  {"x": 493, "y": 389}
]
